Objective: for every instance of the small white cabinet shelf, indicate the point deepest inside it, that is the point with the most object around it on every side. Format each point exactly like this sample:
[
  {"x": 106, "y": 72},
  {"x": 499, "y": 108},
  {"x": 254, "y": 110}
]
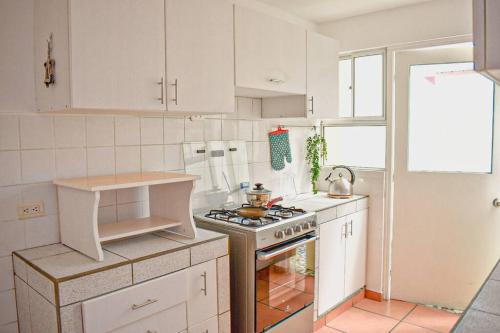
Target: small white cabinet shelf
[{"x": 169, "y": 203}]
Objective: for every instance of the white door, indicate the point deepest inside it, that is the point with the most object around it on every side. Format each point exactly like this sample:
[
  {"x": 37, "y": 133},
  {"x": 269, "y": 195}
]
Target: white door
[
  {"x": 322, "y": 76},
  {"x": 331, "y": 264},
  {"x": 355, "y": 255},
  {"x": 446, "y": 231},
  {"x": 117, "y": 54},
  {"x": 270, "y": 53},
  {"x": 200, "y": 56},
  {"x": 202, "y": 288}
]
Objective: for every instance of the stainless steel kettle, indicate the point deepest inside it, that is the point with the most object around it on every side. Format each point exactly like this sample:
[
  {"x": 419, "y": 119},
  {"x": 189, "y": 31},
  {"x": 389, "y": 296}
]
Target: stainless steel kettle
[{"x": 340, "y": 187}]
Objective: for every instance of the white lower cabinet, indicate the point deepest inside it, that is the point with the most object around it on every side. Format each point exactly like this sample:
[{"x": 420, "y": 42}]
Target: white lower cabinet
[
  {"x": 202, "y": 293},
  {"x": 342, "y": 259},
  {"x": 209, "y": 326}
]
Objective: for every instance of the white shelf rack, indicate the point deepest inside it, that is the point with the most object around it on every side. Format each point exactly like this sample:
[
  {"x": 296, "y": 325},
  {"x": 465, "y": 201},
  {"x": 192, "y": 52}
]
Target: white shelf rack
[{"x": 169, "y": 203}]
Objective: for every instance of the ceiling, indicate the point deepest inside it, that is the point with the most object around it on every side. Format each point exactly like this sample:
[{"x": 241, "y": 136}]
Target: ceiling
[{"x": 319, "y": 11}]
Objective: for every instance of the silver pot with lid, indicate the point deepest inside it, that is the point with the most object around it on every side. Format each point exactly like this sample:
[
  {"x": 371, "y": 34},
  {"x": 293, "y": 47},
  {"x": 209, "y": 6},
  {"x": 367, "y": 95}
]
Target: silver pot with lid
[{"x": 260, "y": 196}]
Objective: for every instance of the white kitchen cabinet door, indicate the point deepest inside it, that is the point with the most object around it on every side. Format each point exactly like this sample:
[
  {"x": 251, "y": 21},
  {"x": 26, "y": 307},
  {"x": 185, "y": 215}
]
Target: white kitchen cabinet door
[
  {"x": 332, "y": 247},
  {"x": 200, "y": 56},
  {"x": 270, "y": 54},
  {"x": 355, "y": 267},
  {"x": 202, "y": 292},
  {"x": 322, "y": 77},
  {"x": 117, "y": 54},
  {"x": 209, "y": 326}
]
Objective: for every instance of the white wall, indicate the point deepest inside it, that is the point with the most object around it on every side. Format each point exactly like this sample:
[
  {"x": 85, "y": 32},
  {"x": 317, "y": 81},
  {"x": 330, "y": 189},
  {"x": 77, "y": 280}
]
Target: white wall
[{"x": 425, "y": 21}]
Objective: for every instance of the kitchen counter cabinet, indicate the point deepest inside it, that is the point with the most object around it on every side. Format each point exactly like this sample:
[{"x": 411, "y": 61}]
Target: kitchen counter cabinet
[{"x": 58, "y": 287}]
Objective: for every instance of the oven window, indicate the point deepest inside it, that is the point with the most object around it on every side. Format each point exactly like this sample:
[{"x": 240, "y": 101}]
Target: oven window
[{"x": 284, "y": 285}]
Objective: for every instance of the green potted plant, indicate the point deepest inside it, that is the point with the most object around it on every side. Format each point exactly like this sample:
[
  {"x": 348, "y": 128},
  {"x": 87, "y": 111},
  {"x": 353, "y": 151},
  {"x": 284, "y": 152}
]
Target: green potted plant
[{"x": 316, "y": 150}]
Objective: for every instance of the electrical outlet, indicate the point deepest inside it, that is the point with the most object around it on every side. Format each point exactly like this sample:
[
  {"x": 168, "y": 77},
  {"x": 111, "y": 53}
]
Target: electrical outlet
[{"x": 27, "y": 211}]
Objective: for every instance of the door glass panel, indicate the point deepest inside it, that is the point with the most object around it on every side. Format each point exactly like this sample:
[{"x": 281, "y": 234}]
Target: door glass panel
[
  {"x": 369, "y": 86},
  {"x": 345, "y": 88},
  {"x": 450, "y": 120},
  {"x": 284, "y": 285}
]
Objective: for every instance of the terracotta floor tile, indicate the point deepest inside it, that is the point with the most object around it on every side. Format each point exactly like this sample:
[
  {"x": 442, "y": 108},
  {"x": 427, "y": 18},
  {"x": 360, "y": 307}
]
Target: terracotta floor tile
[
  {"x": 339, "y": 310},
  {"x": 359, "y": 321},
  {"x": 433, "y": 319},
  {"x": 326, "y": 329},
  {"x": 409, "y": 328},
  {"x": 393, "y": 308}
]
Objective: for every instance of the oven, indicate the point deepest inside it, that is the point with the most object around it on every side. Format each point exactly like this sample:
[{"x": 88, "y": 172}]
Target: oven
[{"x": 284, "y": 281}]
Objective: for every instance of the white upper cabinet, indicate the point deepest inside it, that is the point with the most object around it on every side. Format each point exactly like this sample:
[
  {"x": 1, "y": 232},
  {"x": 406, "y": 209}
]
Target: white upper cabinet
[
  {"x": 117, "y": 54},
  {"x": 200, "y": 56},
  {"x": 487, "y": 38},
  {"x": 322, "y": 76},
  {"x": 270, "y": 55}
]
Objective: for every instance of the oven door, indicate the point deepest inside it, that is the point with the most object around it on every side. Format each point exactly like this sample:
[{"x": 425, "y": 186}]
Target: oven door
[{"x": 284, "y": 280}]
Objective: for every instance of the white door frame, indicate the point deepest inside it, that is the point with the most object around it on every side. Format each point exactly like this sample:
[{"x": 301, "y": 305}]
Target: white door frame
[{"x": 390, "y": 114}]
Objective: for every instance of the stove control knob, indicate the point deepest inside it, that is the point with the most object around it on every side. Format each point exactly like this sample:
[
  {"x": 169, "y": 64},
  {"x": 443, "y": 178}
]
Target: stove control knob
[
  {"x": 306, "y": 226},
  {"x": 279, "y": 234},
  {"x": 298, "y": 228},
  {"x": 289, "y": 231},
  {"x": 313, "y": 223}
]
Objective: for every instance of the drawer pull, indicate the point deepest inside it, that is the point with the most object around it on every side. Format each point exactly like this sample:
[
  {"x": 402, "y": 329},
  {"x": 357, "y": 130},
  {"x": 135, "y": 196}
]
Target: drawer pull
[
  {"x": 148, "y": 302},
  {"x": 204, "y": 289},
  {"x": 149, "y": 331}
]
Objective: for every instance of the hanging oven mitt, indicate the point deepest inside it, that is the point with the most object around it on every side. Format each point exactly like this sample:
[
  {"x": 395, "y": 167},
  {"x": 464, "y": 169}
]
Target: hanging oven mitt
[{"x": 280, "y": 148}]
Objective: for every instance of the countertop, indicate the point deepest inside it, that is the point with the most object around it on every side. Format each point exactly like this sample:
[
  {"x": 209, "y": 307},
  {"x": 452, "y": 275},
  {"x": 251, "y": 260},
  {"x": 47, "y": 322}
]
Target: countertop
[
  {"x": 483, "y": 314},
  {"x": 320, "y": 201},
  {"x": 59, "y": 262}
]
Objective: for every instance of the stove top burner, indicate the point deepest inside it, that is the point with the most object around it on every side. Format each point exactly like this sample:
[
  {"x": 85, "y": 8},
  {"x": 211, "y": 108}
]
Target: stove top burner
[{"x": 275, "y": 214}]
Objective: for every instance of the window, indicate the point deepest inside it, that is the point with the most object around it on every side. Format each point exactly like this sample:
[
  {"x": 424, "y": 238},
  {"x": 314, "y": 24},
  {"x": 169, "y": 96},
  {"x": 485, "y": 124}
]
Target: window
[
  {"x": 361, "y": 86},
  {"x": 357, "y": 146},
  {"x": 450, "y": 121}
]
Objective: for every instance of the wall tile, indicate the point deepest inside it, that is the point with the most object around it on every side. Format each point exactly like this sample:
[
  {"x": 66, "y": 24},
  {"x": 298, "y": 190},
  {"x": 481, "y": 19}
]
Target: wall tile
[
  {"x": 245, "y": 130},
  {"x": 45, "y": 192},
  {"x": 244, "y": 107},
  {"x": 6, "y": 274},
  {"x": 106, "y": 214},
  {"x": 9, "y": 132},
  {"x": 37, "y": 132},
  {"x": 100, "y": 161},
  {"x": 151, "y": 131},
  {"x": 38, "y": 165},
  {"x": 260, "y": 130},
  {"x": 128, "y": 159},
  {"x": 249, "y": 151},
  {"x": 261, "y": 152},
  {"x": 43, "y": 314},
  {"x": 152, "y": 158},
  {"x": 10, "y": 168},
  {"x": 134, "y": 194},
  {"x": 229, "y": 130},
  {"x": 42, "y": 231},
  {"x": 11, "y": 237},
  {"x": 130, "y": 211},
  {"x": 174, "y": 158},
  {"x": 8, "y": 306},
  {"x": 10, "y": 197},
  {"x": 256, "y": 108},
  {"x": 69, "y": 131},
  {"x": 100, "y": 131},
  {"x": 127, "y": 131},
  {"x": 71, "y": 162},
  {"x": 194, "y": 130},
  {"x": 108, "y": 198},
  {"x": 212, "y": 129},
  {"x": 194, "y": 157},
  {"x": 173, "y": 130}
]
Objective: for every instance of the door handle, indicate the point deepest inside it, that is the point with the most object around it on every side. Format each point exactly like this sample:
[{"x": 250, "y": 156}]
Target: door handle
[
  {"x": 175, "y": 84},
  {"x": 204, "y": 289},
  {"x": 312, "y": 104},
  {"x": 496, "y": 202},
  {"x": 148, "y": 302},
  {"x": 350, "y": 230}
]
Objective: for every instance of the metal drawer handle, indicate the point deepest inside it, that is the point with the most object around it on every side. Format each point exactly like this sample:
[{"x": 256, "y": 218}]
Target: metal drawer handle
[
  {"x": 148, "y": 302},
  {"x": 161, "y": 93},
  {"x": 350, "y": 232},
  {"x": 204, "y": 289},
  {"x": 176, "y": 91},
  {"x": 149, "y": 331},
  {"x": 312, "y": 104},
  {"x": 344, "y": 230}
]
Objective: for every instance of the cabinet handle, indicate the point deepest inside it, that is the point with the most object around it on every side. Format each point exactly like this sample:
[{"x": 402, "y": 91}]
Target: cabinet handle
[
  {"x": 149, "y": 331},
  {"x": 204, "y": 289},
  {"x": 161, "y": 92},
  {"x": 148, "y": 302},
  {"x": 344, "y": 230},
  {"x": 312, "y": 104},
  {"x": 175, "y": 84},
  {"x": 350, "y": 231},
  {"x": 275, "y": 80}
]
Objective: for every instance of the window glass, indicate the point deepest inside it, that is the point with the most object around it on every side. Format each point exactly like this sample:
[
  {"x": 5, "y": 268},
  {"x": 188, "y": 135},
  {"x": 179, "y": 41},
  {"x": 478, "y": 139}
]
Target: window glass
[
  {"x": 450, "y": 121},
  {"x": 345, "y": 88},
  {"x": 369, "y": 86},
  {"x": 359, "y": 146}
]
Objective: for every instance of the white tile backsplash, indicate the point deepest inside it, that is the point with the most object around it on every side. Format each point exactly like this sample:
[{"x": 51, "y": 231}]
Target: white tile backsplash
[
  {"x": 69, "y": 131},
  {"x": 212, "y": 129},
  {"x": 12, "y": 237},
  {"x": 100, "y": 131},
  {"x": 45, "y": 192},
  {"x": 100, "y": 161},
  {"x": 9, "y": 132},
  {"x": 37, "y": 132},
  {"x": 151, "y": 131},
  {"x": 6, "y": 274},
  {"x": 128, "y": 159},
  {"x": 194, "y": 130},
  {"x": 152, "y": 158},
  {"x": 10, "y": 168},
  {"x": 10, "y": 197},
  {"x": 260, "y": 130},
  {"x": 174, "y": 158},
  {"x": 71, "y": 162},
  {"x": 38, "y": 165},
  {"x": 173, "y": 130},
  {"x": 42, "y": 231},
  {"x": 127, "y": 131},
  {"x": 133, "y": 194},
  {"x": 261, "y": 152},
  {"x": 229, "y": 130},
  {"x": 245, "y": 130},
  {"x": 106, "y": 214}
]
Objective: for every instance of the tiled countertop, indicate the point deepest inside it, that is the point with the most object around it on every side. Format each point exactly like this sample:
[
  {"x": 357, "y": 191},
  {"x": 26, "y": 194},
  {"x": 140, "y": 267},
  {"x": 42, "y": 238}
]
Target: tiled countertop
[
  {"x": 320, "y": 201},
  {"x": 483, "y": 314}
]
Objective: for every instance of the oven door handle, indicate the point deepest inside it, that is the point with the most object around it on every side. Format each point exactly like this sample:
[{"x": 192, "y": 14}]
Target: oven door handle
[{"x": 264, "y": 255}]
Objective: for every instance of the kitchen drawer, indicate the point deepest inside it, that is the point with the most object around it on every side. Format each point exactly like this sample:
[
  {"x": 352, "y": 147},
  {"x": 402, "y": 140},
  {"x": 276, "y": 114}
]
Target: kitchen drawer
[
  {"x": 209, "y": 326},
  {"x": 346, "y": 209},
  {"x": 172, "y": 320},
  {"x": 326, "y": 215},
  {"x": 134, "y": 303}
]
